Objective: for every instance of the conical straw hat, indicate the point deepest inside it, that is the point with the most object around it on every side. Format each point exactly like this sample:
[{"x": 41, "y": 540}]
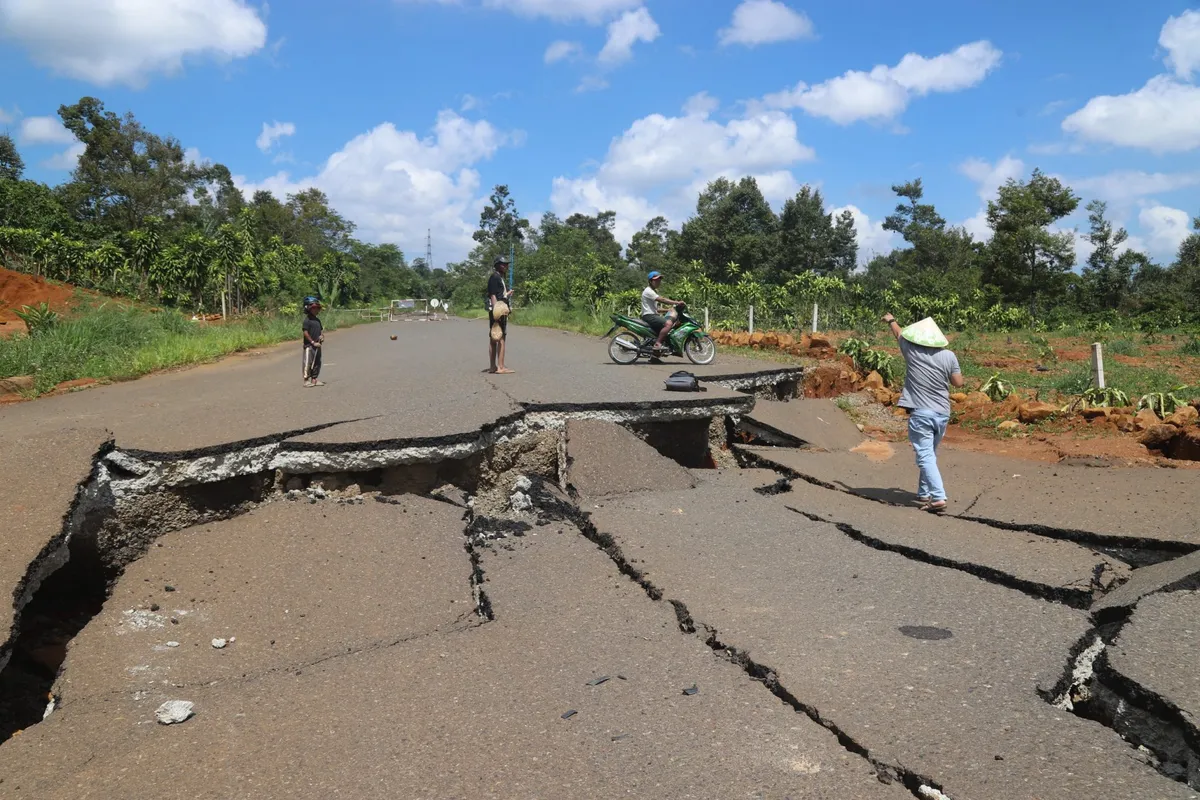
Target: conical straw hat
[{"x": 925, "y": 333}]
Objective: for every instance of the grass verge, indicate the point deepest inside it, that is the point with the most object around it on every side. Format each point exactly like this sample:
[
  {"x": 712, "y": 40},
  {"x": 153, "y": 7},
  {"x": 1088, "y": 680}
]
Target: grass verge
[{"x": 119, "y": 343}]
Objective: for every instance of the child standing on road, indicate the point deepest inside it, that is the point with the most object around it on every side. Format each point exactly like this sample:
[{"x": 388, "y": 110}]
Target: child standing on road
[
  {"x": 929, "y": 368},
  {"x": 314, "y": 337}
]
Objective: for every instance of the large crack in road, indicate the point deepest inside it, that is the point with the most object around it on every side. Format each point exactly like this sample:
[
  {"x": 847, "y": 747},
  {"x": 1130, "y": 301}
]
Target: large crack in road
[{"x": 132, "y": 498}]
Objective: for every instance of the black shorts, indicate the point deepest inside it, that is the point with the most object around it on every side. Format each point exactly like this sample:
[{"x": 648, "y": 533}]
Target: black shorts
[
  {"x": 502, "y": 322},
  {"x": 656, "y": 321}
]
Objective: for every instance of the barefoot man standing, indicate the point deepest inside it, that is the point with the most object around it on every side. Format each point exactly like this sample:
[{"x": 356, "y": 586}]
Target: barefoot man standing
[
  {"x": 497, "y": 303},
  {"x": 929, "y": 367}
]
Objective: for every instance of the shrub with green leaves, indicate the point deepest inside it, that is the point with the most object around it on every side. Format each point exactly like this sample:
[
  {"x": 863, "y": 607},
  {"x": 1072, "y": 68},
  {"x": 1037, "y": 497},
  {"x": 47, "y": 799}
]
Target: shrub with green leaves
[
  {"x": 867, "y": 359},
  {"x": 1123, "y": 347},
  {"x": 1191, "y": 347},
  {"x": 996, "y": 389},
  {"x": 1044, "y": 351},
  {"x": 1104, "y": 398},
  {"x": 1163, "y": 403},
  {"x": 38, "y": 319}
]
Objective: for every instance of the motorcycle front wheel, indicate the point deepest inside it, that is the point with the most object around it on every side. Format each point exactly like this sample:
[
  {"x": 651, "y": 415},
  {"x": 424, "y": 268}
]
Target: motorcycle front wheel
[
  {"x": 700, "y": 349},
  {"x": 623, "y": 348}
]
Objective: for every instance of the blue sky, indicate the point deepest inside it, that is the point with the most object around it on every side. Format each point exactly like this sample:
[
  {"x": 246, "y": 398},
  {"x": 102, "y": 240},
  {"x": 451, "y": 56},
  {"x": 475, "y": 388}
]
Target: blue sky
[{"x": 406, "y": 112}]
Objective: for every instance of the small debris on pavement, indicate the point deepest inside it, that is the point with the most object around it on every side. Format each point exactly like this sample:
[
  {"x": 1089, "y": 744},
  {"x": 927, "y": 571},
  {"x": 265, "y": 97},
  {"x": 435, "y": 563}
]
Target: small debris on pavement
[
  {"x": 621, "y": 737},
  {"x": 219, "y": 643},
  {"x": 926, "y": 632},
  {"x": 691, "y": 690},
  {"x": 598, "y": 681},
  {"x": 154, "y": 606},
  {"x": 168, "y": 588},
  {"x": 174, "y": 711},
  {"x": 172, "y": 644},
  {"x": 570, "y": 714}
]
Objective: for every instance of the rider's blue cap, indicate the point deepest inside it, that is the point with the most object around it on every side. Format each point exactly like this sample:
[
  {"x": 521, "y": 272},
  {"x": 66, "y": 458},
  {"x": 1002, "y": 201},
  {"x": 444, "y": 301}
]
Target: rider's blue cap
[{"x": 655, "y": 274}]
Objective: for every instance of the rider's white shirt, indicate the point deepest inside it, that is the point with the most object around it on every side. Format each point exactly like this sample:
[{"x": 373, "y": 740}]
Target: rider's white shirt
[{"x": 649, "y": 301}]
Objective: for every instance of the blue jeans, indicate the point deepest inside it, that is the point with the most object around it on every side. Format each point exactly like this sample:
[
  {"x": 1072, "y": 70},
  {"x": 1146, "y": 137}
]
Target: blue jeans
[{"x": 925, "y": 431}]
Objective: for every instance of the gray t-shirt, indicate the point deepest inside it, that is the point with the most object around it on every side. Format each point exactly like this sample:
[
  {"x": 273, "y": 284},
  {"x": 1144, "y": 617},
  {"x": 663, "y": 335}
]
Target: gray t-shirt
[{"x": 927, "y": 377}]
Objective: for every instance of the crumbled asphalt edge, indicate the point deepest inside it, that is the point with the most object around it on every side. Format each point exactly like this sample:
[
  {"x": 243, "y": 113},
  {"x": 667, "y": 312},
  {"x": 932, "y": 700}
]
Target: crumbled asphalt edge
[
  {"x": 551, "y": 508},
  {"x": 1158, "y": 732},
  {"x": 53, "y": 554},
  {"x": 478, "y": 536},
  {"x": 755, "y": 432},
  {"x": 1133, "y": 550}
]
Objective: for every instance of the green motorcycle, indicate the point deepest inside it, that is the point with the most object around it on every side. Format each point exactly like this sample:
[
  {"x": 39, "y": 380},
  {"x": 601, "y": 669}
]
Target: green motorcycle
[{"x": 637, "y": 340}]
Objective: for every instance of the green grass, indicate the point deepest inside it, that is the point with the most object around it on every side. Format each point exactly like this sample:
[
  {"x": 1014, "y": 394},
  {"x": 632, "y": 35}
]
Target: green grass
[
  {"x": 1075, "y": 379},
  {"x": 1124, "y": 347},
  {"x": 118, "y": 343}
]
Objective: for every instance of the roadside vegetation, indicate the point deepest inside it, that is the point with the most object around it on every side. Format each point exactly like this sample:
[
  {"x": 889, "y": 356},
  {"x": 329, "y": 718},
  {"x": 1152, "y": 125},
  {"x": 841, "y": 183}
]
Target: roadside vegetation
[{"x": 118, "y": 341}]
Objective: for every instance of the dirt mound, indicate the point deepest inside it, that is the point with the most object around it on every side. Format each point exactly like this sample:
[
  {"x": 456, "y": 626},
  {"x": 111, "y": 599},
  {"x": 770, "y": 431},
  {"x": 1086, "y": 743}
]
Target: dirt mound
[
  {"x": 829, "y": 380},
  {"x": 18, "y": 289}
]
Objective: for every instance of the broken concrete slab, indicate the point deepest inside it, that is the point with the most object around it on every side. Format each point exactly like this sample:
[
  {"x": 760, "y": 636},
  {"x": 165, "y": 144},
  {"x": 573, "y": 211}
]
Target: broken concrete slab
[
  {"x": 40, "y": 476},
  {"x": 841, "y": 628},
  {"x": 288, "y": 584},
  {"x": 605, "y": 459},
  {"x": 409, "y": 720},
  {"x": 1150, "y": 678},
  {"x": 817, "y": 424},
  {"x": 1167, "y": 576},
  {"x": 1048, "y": 568},
  {"x": 1111, "y": 505}
]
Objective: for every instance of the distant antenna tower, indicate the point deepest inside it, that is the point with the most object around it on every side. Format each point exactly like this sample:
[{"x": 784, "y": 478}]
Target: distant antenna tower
[{"x": 428, "y": 248}]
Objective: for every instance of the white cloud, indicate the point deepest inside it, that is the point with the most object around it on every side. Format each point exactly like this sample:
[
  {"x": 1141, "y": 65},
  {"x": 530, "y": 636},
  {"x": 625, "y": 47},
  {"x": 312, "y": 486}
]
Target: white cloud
[
  {"x": 626, "y": 31},
  {"x": 873, "y": 240},
  {"x": 562, "y": 50},
  {"x": 470, "y": 102},
  {"x": 1163, "y": 117},
  {"x": 44, "y": 130},
  {"x": 272, "y": 133},
  {"x": 395, "y": 185},
  {"x": 592, "y": 83},
  {"x": 660, "y": 163},
  {"x": 990, "y": 177},
  {"x": 66, "y": 160},
  {"x": 1180, "y": 37},
  {"x": 125, "y": 41},
  {"x": 763, "y": 22},
  {"x": 884, "y": 92},
  {"x": 7, "y": 116},
  {"x": 591, "y": 11},
  {"x": 1166, "y": 229},
  {"x": 1125, "y": 185}
]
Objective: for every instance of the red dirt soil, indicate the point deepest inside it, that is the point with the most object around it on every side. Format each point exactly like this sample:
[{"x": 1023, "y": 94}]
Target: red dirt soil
[{"x": 18, "y": 289}]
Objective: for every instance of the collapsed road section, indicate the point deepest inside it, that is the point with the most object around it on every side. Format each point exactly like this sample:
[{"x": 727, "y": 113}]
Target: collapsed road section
[{"x": 896, "y": 654}]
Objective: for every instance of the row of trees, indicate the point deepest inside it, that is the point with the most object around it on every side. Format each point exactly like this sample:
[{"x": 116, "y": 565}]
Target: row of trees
[
  {"x": 141, "y": 219},
  {"x": 735, "y": 251}
]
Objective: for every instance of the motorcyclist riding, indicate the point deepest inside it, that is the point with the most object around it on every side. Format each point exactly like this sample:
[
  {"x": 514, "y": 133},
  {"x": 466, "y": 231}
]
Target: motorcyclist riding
[{"x": 651, "y": 300}]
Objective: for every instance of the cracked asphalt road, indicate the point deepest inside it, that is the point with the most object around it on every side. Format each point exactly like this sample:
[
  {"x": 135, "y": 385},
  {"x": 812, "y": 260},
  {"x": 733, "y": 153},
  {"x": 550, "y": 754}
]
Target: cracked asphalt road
[{"x": 895, "y": 652}]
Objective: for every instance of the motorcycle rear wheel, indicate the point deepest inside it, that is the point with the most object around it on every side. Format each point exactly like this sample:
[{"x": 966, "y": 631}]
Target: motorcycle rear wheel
[
  {"x": 700, "y": 350},
  {"x": 622, "y": 353}
]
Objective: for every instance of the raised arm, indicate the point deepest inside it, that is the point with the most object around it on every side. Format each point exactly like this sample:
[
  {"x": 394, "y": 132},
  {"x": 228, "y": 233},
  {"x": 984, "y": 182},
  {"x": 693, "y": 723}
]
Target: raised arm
[{"x": 892, "y": 325}]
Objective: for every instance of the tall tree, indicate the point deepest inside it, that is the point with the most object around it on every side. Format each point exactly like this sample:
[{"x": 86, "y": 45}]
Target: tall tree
[
  {"x": 499, "y": 224},
  {"x": 12, "y": 167},
  {"x": 600, "y": 230},
  {"x": 1025, "y": 258},
  {"x": 1108, "y": 276},
  {"x": 126, "y": 173},
  {"x": 938, "y": 260},
  {"x": 734, "y": 230},
  {"x": 649, "y": 249}
]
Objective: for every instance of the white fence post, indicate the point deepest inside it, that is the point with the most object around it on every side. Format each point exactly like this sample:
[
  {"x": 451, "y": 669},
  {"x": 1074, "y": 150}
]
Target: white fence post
[
  {"x": 706, "y": 318},
  {"x": 814, "y": 329},
  {"x": 1098, "y": 364},
  {"x": 752, "y": 319}
]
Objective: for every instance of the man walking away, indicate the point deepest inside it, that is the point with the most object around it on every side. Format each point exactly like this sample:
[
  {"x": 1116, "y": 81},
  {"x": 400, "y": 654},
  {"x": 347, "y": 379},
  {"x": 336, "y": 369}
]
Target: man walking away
[
  {"x": 929, "y": 368},
  {"x": 651, "y": 300},
  {"x": 314, "y": 337},
  {"x": 498, "y": 297}
]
